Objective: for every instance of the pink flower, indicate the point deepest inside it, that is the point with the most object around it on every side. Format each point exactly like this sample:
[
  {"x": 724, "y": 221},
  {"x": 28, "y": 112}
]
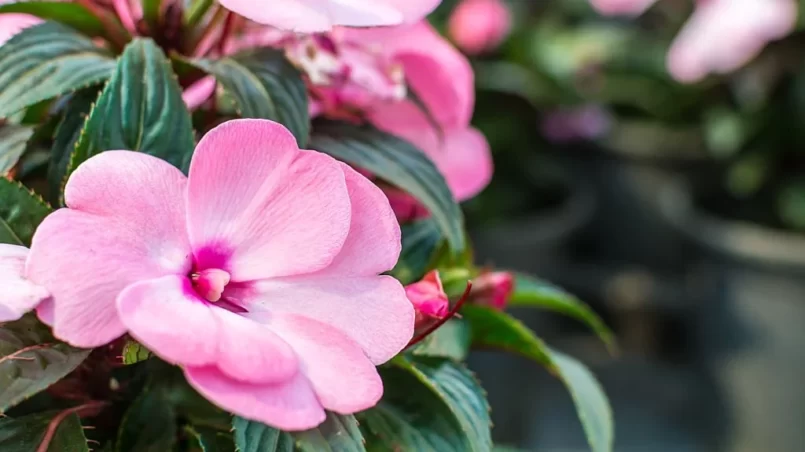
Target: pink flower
[
  {"x": 492, "y": 289},
  {"x": 19, "y": 294},
  {"x": 257, "y": 273},
  {"x": 478, "y": 26},
  {"x": 322, "y": 15},
  {"x": 723, "y": 35},
  {"x": 622, "y": 7},
  {"x": 429, "y": 299}
]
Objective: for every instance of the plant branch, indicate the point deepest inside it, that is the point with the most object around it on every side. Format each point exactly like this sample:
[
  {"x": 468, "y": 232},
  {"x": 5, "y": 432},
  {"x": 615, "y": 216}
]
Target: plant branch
[
  {"x": 16, "y": 354},
  {"x": 56, "y": 421}
]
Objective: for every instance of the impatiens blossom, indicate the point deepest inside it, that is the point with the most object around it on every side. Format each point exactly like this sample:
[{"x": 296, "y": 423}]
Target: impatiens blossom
[
  {"x": 622, "y": 7},
  {"x": 428, "y": 298},
  {"x": 723, "y": 35},
  {"x": 322, "y": 15},
  {"x": 478, "y": 26},
  {"x": 492, "y": 289},
  {"x": 18, "y": 295},
  {"x": 257, "y": 273}
]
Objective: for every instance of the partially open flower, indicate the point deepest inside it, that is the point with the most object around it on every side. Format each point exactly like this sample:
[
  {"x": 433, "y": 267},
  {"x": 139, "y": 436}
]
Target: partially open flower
[
  {"x": 492, "y": 289},
  {"x": 429, "y": 299},
  {"x": 258, "y": 273}
]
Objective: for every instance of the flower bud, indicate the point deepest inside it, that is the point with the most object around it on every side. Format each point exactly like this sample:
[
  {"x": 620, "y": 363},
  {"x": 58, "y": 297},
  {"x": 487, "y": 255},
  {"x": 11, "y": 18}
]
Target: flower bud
[
  {"x": 478, "y": 26},
  {"x": 429, "y": 299},
  {"x": 492, "y": 289}
]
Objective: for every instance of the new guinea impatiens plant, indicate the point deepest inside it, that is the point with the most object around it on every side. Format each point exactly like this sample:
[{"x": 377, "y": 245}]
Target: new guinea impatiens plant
[{"x": 236, "y": 226}]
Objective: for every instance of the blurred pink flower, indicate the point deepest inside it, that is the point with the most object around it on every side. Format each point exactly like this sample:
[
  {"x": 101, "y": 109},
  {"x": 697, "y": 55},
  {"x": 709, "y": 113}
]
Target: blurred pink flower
[
  {"x": 19, "y": 294},
  {"x": 428, "y": 298},
  {"x": 322, "y": 15},
  {"x": 492, "y": 289},
  {"x": 622, "y": 7},
  {"x": 478, "y": 26},
  {"x": 580, "y": 123},
  {"x": 723, "y": 35},
  {"x": 257, "y": 273}
]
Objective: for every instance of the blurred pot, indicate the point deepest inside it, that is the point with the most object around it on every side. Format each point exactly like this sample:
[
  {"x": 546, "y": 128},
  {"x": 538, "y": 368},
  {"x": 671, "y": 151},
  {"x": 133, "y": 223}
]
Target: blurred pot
[{"x": 750, "y": 329}]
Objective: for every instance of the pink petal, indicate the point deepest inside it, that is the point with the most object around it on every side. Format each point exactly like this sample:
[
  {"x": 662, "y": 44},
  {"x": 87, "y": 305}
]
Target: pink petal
[
  {"x": 258, "y": 207},
  {"x": 171, "y": 320},
  {"x": 19, "y": 294},
  {"x": 439, "y": 74},
  {"x": 45, "y": 312},
  {"x": 461, "y": 154},
  {"x": 413, "y": 10},
  {"x": 13, "y": 23},
  {"x": 125, "y": 224},
  {"x": 372, "y": 311},
  {"x": 478, "y": 26},
  {"x": 198, "y": 93},
  {"x": 316, "y": 15},
  {"x": 373, "y": 244},
  {"x": 288, "y": 406},
  {"x": 344, "y": 379}
]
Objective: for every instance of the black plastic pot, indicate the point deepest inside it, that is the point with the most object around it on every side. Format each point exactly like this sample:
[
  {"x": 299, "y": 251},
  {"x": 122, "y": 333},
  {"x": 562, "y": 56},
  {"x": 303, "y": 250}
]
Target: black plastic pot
[{"x": 751, "y": 322}]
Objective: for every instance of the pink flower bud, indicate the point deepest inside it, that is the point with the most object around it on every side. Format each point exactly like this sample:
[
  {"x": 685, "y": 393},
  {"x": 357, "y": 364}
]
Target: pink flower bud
[
  {"x": 492, "y": 289},
  {"x": 429, "y": 299},
  {"x": 477, "y": 26}
]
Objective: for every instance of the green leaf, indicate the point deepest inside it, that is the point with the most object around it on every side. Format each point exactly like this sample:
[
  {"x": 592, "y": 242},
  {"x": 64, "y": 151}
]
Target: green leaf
[
  {"x": 211, "y": 440},
  {"x": 141, "y": 109},
  {"x": 338, "y": 433},
  {"x": 532, "y": 292},
  {"x": 151, "y": 12},
  {"x": 71, "y": 14},
  {"x": 398, "y": 162},
  {"x": 26, "y": 434},
  {"x": 253, "y": 436},
  {"x": 21, "y": 211},
  {"x": 420, "y": 243},
  {"x": 13, "y": 142},
  {"x": 452, "y": 340},
  {"x": 64, "y": 142},
  {"x": 149, "y": 424},
  {"x": 47, "y": 61},
  {"x": 264, "y": 85},
  {"x": 496, "y": 329},
  {"x": 591, "y": 402},
  {"x": 428, "y": 404},
  {"x": 31, "y": 360}
]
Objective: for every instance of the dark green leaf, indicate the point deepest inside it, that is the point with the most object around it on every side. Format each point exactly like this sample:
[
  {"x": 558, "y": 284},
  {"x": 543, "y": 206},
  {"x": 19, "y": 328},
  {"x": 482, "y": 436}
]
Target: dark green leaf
[
  {"x": 31, "y": 360},
  {"x": 420, "y": 243},
  {"x": 211, "y": 440},
  {"x": 496, "y": 329},
  {"x": 532, "y": 292},
  {"x": 428, "y": 405},
  {"x": 141, "y": 109},
  {"x": 13, "y": 141},
  {"x": 65, "y": 140},
  {"x": 398, "y": 162},
  {"x": 26, "y": 434},
  {"x": 70, "y": 14},
  {"x": 21, "y": 211},
  {"x": 264, "y": 85},
  {"x": 338, "y": 433},
  {"x": 47, "y": 61},
  {"x": 253, "y": 436},
  {"x": 451, "y": 340},
  {"x": 149, "y": 424}
]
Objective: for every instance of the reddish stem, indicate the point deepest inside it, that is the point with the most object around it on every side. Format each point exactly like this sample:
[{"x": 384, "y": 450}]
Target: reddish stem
[
  {"x": 23, "y": 350},
  {"x": 115, "y": 32},
  {"x": 54, "y": 423},
  {"x": 464, "y": 297}
]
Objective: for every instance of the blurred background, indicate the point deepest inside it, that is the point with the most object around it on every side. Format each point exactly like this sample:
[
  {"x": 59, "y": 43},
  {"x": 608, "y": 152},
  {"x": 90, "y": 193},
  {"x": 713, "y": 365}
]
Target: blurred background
[{"x": 650, "y": 158}]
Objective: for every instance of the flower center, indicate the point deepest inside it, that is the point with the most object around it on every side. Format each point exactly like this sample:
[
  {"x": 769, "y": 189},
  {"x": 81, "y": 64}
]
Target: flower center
[{"x": 210, "y": 283}]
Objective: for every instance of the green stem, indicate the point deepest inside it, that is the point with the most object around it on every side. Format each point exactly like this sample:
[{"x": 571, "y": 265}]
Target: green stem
[{"x": 197, "y": 12}]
